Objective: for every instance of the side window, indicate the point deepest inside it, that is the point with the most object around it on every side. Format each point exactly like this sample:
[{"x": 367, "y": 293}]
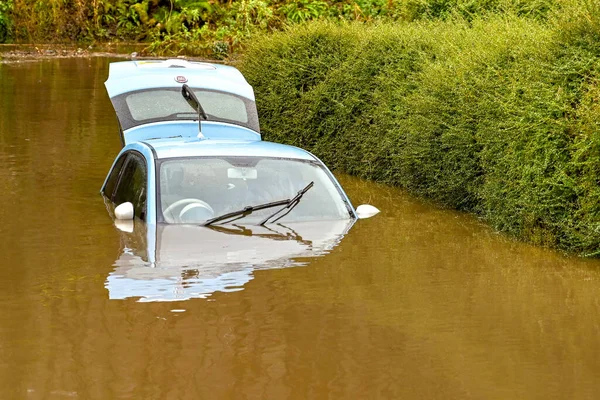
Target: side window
[
  {"x": 139, "y": 188},
  {"x": 109, "y": 188},
  {"x": 132, "y": 185}
]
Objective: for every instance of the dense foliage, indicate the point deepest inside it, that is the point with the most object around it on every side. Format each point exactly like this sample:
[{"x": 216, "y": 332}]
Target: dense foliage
[
  {"x": 497, "y": 115},
  {"x": 216, "y": 27}
]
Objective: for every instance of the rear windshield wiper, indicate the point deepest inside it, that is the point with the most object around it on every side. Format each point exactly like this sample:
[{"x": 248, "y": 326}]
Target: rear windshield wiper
[
  {"x": 189, "y": 96},
  {"x": 288, "y": 203}
]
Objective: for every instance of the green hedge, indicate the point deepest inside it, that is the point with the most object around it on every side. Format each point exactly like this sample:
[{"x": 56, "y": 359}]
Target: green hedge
[
  {"x": 497, "y": 116},
  {"x": 6, "y": 7}
]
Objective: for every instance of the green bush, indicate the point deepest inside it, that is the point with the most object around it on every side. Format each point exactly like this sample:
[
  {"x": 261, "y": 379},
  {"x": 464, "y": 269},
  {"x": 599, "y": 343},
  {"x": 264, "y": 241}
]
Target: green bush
[
  {"x": 496, "y": 115},
  {"x": 219, "y": 27},
  {"x": 6, "y": 7}
]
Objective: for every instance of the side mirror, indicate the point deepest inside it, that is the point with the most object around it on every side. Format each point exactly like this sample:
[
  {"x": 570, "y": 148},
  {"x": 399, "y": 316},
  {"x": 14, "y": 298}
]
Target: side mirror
[
  {"x": 124, "y": 211},
  {"x": 366, "y": 211}
]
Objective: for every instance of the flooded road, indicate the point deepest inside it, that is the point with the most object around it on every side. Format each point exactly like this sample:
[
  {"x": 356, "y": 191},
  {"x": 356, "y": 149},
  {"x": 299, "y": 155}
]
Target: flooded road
[{"x": 416, "y": 303}]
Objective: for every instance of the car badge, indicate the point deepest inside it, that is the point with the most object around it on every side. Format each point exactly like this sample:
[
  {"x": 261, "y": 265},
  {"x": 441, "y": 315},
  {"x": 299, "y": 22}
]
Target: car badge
[{"x": 181, "y": 79}]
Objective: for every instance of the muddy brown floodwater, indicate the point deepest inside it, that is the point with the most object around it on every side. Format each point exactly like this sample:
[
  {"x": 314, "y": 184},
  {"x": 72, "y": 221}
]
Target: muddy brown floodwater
[{"x": 416, "y": 303}]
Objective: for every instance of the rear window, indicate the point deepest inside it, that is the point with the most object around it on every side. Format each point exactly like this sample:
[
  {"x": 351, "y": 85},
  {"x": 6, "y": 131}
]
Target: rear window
[
  {"x": 155, "y": 104},
  {"x": 167, "y": 104}
]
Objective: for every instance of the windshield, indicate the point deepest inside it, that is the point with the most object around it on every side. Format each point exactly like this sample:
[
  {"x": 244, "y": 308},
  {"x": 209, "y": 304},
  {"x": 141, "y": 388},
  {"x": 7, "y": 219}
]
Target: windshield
[
  {"x": 167, "y": 104},
  {"x": 194, "y": 190}
]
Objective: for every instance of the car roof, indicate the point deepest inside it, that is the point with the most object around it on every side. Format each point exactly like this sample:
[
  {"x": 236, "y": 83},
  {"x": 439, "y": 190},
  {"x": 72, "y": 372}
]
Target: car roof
[
  {"x": 173, "y": 148},
  {"x": 128, "y": 76}
]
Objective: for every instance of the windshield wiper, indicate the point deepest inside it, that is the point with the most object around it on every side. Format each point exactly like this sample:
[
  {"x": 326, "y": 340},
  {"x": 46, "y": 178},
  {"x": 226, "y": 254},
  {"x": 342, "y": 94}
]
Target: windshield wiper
[
  {"x": 293, "y": 202},
  {"x": 189, "y": 96},
  {"x": 250, "y": 209}
]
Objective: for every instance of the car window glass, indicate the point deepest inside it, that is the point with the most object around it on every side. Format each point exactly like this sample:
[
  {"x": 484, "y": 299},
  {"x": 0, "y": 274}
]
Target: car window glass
[
  {"x": 167, "y": 104},
  {"x": 225, "y": 185},
  {"x": 114, "y": 177},
  {"x": 153, "y": 104},
  {"x": 139, "y": 187},
  {"x": 222, "y": 105},
  {"x": 132, "y": 185}
]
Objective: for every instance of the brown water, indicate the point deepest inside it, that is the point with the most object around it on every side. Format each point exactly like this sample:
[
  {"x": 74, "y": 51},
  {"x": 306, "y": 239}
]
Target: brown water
[{"x": 416, "y": 303}]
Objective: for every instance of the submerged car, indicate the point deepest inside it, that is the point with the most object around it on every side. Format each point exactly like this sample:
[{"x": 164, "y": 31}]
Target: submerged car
[
  {"x": 193, "y": 153},
  {"x": 215, "y": 201}
]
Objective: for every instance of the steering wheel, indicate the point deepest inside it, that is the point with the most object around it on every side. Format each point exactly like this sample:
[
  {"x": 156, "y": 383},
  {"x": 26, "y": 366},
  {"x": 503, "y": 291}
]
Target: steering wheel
[{"x": 168, "y": 212}]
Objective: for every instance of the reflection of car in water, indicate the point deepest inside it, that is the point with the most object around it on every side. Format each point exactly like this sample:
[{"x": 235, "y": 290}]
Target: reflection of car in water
[
  {"x": 193, "y": 155},
  {"x": 178, "y": 262}
]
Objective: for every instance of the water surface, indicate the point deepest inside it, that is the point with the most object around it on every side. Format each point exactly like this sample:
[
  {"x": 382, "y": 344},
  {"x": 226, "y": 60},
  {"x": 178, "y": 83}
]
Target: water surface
[{"x": 416, "y": 303}]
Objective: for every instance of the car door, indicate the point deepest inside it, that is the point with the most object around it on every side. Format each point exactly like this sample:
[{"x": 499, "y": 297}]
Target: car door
[{"x": 128, "y": 182}]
